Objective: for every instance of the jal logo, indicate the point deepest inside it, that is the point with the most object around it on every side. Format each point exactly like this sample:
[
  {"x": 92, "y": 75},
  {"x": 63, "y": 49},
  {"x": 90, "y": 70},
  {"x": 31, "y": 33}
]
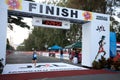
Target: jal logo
[{"x": 100, "y": 28}]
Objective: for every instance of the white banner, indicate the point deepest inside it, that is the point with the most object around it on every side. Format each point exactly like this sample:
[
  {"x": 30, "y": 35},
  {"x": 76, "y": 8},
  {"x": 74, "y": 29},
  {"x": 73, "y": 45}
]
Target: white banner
[
  {"x": 41, "y": 67},
  {"x": 27, "y": 8}
]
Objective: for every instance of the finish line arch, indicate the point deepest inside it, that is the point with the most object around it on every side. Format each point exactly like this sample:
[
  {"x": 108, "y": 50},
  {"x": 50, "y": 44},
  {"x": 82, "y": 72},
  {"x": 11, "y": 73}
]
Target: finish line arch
[{"x": 95, "y": 28}]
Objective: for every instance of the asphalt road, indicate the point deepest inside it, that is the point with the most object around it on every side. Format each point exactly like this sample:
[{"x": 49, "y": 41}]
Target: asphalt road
[
  {"x": 87, "y": 77},
  {"x": 27, "y": 58},
  {"x": 19, "y": 57}
]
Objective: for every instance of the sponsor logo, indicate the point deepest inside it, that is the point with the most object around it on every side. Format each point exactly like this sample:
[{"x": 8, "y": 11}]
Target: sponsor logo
[
  {"x": 14, "y": 4},
  {"x": 101, "y": 18},
  {"x": 44, "y": 65},
  {"x": 100, "y": 28},
  {"x": 87, "y": 15}
]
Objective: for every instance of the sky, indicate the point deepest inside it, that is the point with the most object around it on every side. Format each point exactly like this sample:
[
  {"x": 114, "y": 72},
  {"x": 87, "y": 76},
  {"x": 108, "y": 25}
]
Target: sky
[{"x": 17, "y": 36}]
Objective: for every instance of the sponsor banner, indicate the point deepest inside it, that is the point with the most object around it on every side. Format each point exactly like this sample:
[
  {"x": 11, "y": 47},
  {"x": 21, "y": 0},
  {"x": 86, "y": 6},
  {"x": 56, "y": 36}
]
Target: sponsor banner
[
  {"x": 41, "y": 67},
  {"x": 118, "y": 44},
  {"x": 118, "y": 47},
  {"x": 65, "y": 56}
]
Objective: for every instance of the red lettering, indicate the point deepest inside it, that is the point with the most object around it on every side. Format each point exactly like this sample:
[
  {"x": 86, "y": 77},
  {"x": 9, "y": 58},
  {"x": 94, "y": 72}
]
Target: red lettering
[{"x": 53, "y": 23}]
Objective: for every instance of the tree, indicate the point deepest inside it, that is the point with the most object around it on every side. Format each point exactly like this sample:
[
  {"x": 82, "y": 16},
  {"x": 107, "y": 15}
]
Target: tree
[
  {"x": 17, "y": 20},
  {"x": 9, "y": 47},
  {"x": 42, "y": 36},
  {"x": 100, "y": 6},
  {"x": 112, "y": 6},
  {"x": 88, "y": 5}
]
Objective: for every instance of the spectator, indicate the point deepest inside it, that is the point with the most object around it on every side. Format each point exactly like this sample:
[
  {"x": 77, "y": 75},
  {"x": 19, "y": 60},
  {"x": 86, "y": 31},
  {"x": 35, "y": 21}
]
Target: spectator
[{"x": 61, "y": 54}]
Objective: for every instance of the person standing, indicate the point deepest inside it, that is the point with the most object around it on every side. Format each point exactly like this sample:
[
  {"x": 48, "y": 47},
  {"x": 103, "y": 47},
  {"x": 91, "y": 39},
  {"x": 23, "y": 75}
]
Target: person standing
[
  {"x": 69, "y": 52},
  {"x": 61, "y": 54},
  {"x": 34, "y": 58},
  {"x": 75, "y": 57}
]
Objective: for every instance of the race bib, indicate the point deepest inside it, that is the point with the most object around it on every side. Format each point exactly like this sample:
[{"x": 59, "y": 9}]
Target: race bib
[{"x": 35, "y": 55}]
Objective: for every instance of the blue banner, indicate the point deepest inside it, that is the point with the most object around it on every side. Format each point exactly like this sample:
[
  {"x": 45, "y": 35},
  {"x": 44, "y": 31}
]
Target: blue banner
[{"x": 113, "y": 46}]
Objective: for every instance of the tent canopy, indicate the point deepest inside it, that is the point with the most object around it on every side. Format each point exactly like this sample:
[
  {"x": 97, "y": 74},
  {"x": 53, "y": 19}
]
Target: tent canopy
[
  {"x": 55, "y": 47},
  {"x": 74, "y": 45}
]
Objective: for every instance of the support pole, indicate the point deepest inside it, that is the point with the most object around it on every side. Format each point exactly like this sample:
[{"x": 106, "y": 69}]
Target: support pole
[{"x": 3, "y": 30}]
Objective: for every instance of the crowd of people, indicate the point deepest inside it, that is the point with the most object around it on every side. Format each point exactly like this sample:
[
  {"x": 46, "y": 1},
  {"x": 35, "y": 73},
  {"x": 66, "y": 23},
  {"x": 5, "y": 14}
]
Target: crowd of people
[{"x": 75, "y": 54}]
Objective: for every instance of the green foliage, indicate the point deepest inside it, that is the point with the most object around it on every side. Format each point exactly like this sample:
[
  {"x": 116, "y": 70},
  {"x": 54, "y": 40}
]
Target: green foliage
[
  {"x": 101, "y": 63},
  {"x": 88, "y": 5},
  {"x": 99, "y": 6},
  {"x": 115, "y": 27},
  {"x": 109, "y": 63},
  {"x": 21, "y": 48},
  {"x": 42, "y": 36},
  {"x": 8, "y": 46},
  {"x": 117, "y": 65},
  {"x": 17, "y": 20},
  {"x": 112, "y": 6},
  {"x": 96, "y": 65},
  {"x": 75, "y": 33}
]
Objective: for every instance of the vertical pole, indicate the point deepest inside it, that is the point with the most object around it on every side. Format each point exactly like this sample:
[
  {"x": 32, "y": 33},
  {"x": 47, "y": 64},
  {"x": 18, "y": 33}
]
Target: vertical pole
[
  {"x": 86, "y": 44},
  {"x": 3, "y": 30}
]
